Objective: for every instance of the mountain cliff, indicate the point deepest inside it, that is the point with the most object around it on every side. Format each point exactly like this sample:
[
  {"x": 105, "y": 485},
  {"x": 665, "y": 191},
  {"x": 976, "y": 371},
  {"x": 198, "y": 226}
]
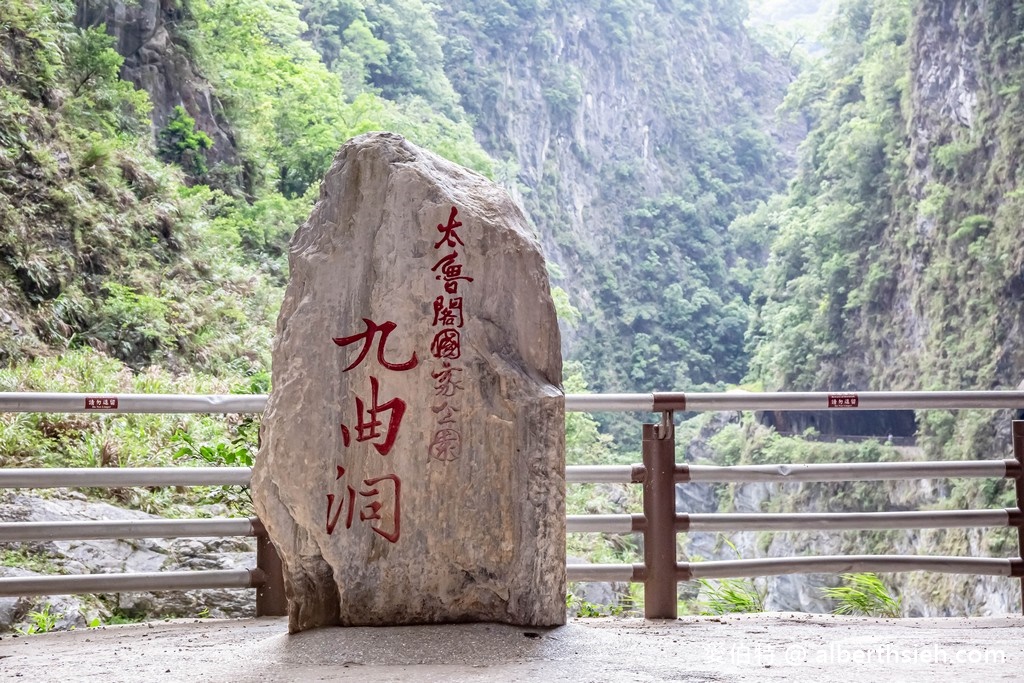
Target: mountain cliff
[
  {"x": 633, "y": 133},
  {"x": 897, "y": 263}
]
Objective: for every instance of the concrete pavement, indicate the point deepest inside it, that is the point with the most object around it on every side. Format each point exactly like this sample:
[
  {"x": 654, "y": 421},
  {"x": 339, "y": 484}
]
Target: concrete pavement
[{"x": 765, "y": 647}]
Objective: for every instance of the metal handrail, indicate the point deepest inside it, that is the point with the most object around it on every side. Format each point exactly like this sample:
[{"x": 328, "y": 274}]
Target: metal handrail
[
  {"x": 104, "y": 403},
  {"x": 99, "y": 402},
  {"x": 99, "y": 477},
  {"x": 799, "y": 521},
  {"x": 136, "y": 528},
  {"x": 659, "y": 475},
  {"x": 124, "y": 583},
  {"x": 837, "y": 564},
  {"x": 858, "y": 471},
  {"x": 774, "y": 566}
]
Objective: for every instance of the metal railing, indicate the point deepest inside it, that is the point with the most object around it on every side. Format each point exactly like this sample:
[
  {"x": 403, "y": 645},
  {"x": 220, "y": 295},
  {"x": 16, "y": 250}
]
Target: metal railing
[
  {"x": 267, "y": 577},
  {"x": 657, "y": 402},
  {"x": 659, "y": 474}
]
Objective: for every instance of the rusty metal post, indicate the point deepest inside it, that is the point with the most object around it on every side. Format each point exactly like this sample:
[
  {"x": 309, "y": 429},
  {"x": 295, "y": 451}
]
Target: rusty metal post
[
  {"x": 660, "y": 587},
  {"x": 270, "y": 596},
  {"x": 1018, "y": 453}
]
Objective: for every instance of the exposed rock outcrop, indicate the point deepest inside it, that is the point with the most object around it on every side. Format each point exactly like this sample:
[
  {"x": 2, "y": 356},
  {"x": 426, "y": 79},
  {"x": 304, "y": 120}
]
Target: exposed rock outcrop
[{"x": 156, "y": 61}]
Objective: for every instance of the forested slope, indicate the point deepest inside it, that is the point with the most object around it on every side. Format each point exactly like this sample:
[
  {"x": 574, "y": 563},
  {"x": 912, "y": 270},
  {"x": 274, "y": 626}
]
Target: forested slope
[
  {"x": 633, "y": 132},
  {"x": 898, "y": 262},
  {"x": 149, "y": 223}
]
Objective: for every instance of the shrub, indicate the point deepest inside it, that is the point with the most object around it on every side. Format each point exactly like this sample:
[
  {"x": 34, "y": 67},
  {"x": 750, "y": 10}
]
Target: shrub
[{"x": 180, "y": 143}]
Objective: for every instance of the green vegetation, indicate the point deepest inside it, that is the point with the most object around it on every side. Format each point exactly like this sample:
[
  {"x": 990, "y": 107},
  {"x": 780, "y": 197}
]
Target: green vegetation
[
  {"x": 635, "y": 198},
  {"x": 118, "y": 617},
  {"x": 588, "y": 610},
  {"x": 730, "y": 596},
  {"x": 747, "y": 442},
  {"x": 896, "y": 259},
  {"x": 25, "y": 558},
  {"x": 727, "y": 596},
  {"x": 180, "y": 143},
  {"x": 830, "y": 269},
  {"x": 139, "y": 265},
  {"x": 142, "y": 440},
  {"x": 40, "y": 621},
  {"x": 864, "y": 595}
]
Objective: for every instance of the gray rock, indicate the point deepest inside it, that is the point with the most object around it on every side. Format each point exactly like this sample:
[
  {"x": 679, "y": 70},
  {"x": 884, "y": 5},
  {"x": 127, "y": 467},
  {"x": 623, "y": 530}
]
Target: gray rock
[
  {"x": 412, "y": 468},
  {"x": 120, "y": 556},
  {"x": 604, "y": 593},
  {"x": 750, "y": 497},
  {"x": 797, "y": 593},
  {"x": 156, "y": 59},
  {"x": 694, "y": 497}
]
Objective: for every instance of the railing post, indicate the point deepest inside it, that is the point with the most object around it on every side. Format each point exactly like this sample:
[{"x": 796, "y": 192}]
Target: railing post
[
  {"x": 1018, "y": 453},
  {"x": 660, "y": 587},
  {"x": 270, "y": 597}
]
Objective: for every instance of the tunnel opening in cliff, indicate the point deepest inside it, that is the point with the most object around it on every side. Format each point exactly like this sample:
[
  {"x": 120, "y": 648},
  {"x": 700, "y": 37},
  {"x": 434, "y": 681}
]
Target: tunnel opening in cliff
[{"x": 898, "y": 424}]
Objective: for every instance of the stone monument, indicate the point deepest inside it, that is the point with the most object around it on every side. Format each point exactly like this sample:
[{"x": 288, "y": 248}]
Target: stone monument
[{"x": 412, "y": 467}]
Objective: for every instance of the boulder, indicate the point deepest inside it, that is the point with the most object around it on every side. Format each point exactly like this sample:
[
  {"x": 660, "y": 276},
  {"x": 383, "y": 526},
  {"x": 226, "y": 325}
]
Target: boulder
[{"x": 412, "y": 467}]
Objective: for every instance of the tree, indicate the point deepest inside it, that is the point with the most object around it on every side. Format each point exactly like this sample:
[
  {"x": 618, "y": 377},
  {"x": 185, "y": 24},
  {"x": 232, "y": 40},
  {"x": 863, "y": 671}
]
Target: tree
[{"x": 180, "y": 143}]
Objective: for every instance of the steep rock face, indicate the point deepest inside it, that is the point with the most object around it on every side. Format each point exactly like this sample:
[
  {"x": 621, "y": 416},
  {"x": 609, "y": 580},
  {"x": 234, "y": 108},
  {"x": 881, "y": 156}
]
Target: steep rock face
[
  {"x": 119, "y": 557},
  {"x": 966, "y": 114},
  {"x": 602, "y": 117},
  {"x": 911, "y": 199},
  {"x": 922, "y": 594},
  {"x": 953, "y": 105},
  {"x": 157, "y": 61}
]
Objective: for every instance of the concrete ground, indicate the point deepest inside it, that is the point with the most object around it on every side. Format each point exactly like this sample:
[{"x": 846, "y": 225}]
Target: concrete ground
[{"x": 765, "y": 647}]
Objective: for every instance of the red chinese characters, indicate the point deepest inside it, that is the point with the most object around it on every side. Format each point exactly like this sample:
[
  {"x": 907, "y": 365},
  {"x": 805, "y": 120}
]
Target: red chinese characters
[
  {"x": 368, "y": 501},
  {"x": 446, "y": 445},
  {"x": 448, "y": 234},
  {"x": 372, "y": 329},
  {"x": 378, "y": 422},
  {"x": 448, "y": 313},
  {"x": 446, "y": 345},
  {"x": 369, "y": 424},
  {"x": 449, "y": 270}
]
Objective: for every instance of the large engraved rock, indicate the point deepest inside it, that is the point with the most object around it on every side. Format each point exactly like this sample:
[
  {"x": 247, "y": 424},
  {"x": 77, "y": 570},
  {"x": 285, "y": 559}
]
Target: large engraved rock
[{"x": 412, "y": 466}]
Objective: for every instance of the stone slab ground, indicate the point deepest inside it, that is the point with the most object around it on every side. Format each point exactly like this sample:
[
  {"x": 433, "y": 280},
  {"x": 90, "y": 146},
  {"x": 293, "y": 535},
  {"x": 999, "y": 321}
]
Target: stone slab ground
[{"x": 767, "y": 647}]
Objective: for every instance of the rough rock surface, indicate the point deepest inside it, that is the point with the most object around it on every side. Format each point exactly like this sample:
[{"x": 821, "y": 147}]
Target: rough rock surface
[
  {"x": 412, "y": 468},
  {"x": 155, "y": 60}
]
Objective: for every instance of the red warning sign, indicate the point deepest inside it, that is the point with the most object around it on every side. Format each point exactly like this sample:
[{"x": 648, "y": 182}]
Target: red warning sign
[{"x": 843, "y": 401}]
